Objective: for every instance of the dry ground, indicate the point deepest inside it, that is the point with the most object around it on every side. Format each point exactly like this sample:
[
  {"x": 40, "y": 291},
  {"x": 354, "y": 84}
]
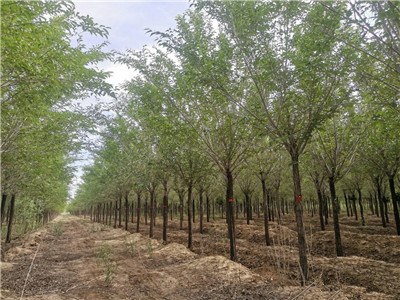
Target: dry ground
[{"x": 68, "y": 264}]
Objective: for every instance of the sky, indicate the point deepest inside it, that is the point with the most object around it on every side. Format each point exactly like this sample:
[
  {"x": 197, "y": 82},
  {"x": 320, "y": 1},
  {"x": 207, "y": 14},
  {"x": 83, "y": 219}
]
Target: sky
[{"x": 127, "y": 21}]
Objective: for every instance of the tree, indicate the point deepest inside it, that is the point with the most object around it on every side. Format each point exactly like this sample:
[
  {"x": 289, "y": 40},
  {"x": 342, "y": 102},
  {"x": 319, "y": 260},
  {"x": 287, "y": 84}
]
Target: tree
[
  {"x": 334, "y": 149},
  {"x": 290, "y": 70}
]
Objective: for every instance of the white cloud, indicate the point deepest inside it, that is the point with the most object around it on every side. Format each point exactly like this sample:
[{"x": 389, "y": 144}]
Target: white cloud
[{"x": 127, "y": 20}]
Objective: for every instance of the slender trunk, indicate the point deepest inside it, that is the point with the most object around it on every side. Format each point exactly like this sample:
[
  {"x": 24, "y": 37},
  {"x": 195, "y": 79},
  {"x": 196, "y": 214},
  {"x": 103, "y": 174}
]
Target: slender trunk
[
  {"x": 320, "y": 204},
  {"x": 325, "y": 208},
  {"x": 194, "y": 209},
  {"x": 361, "y": 207},
  {"x": 10, "y": 219},
  {"x": 106, "y": 208},
  {"x": 248, "y": 208},
  {"x": 189, "y": 208},
  {"x": 110, "y": 213},
  {"x": 230, "y": 214},
  {"x": 201, "y": 211},
  {"x": 208, "y": 207},
  {"x": 103, "y": 213},
  {"x": 146, "y": 208},
  {"x": 132, "y": 211},
  {"x": 353, "y": 199},
  {"x": 265, "y": 206},
  {"x": 237, "y": 209},
  {"x": 385, "y": 205},
  {"x": 346, "y": 202},
  {"x": 120, "y": 212},
  {"x": 213, "y": 208},
  {"x": 138, "y": 212},
  {"x": 180, "y": 210},
  {"x": 394, "y": 202},
  {"x": 277, "y": 205},
  {"x": 376, "y": 205},
  {"x": 298, "y": 209},
  {"x": 3, "y": 206},
  {"x": 126, "y": 211},
  {"x": 151, "y": 212},
  {"x": 115, "y": 213},
  {"x": 371, "y": 204},
  {"x": 378, "y": 189},
  {"x": 335, "y": 209},
  {"x": 165, "y": 211},
  {"x": 269, "y": 206}
]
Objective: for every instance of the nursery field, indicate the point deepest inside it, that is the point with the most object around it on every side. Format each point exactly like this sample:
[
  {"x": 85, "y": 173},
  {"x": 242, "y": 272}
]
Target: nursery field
[{"x": 74, "y": 258}]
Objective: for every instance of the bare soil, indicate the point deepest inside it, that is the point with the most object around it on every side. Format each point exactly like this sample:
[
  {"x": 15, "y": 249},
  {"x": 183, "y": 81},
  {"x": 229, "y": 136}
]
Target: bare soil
[{"x": 68, "y": 265}]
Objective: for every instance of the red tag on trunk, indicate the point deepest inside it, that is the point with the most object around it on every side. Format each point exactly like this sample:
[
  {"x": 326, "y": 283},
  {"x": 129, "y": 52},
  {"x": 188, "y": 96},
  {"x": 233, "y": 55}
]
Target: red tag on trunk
[
  {"x": 230, "y": 200},
  {"x": 138, "y": 208},
  {"x": 164, "y": 206},
  {"x": 299, "y": 198}
]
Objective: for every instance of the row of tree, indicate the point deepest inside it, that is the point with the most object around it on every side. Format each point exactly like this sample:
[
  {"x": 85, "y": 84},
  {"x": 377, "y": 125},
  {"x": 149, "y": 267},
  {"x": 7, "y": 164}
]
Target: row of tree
[
  {"x": 45, "y": 68},
  {"x": 250, "y": 89}
]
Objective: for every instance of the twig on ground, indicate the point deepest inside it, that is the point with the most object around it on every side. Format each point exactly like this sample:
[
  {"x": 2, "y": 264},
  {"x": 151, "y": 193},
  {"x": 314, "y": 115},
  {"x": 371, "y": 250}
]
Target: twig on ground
[{"x": 29, "y": 271}]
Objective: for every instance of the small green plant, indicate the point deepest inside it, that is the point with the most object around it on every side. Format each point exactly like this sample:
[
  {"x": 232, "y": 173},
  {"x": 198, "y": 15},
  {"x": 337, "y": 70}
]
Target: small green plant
[
  {"x": 149, "y": 248},
  {"x": 56, "y": 229},
  {"x": 105, "y": 256},
  {"x": 131, "y": 247}
]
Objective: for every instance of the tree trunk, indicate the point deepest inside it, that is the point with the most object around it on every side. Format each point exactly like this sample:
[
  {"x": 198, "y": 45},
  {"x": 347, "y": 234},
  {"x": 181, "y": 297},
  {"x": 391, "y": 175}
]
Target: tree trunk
[
  {"x": 376, "y": 206},
  {"x": 320, "y": 204},
  {"x": 180, "y": 195},
  {"x": 126, "y": 211},
  {"x": 103, "y": 213},
  {"x": 10, "y": 219},
  {"x": 208, "y": 207},
  {"x": 201, "y": 211},
  {"x": 151, "y": 212},
  {"x": 120, "y": 212},
  {"x": 353, "y": 199},
  {"x": 378, "y": 183},
  {"x": 194, "y": 209},
  {"x": 385, "y": 205},
  {"x": 213, "y": 208},
  {"x": 335, "y": 209},
  {"x": 110, "y": 213},
  {"x": 230, "y": 214},
  {"x": 394, "y": 202},
  {"x": 106, "y": 208},
  {"x": 132, "y": 211},
  {"x": 248, "y": 208},
  {"x": 190, "y": 187},
  {"x": 146, "y": 208},
  {"x": 115, "y": 213},
  {"x": 298, "y": 209},
  {"x": 165, "y": 211},
  {"x": 265, "y": 205},
  {"x": 3, "y": 206},
  {"x": 138, "y": 212},
  {"x": 361, "y": 207},
  {"x": 346, "y": 202}
]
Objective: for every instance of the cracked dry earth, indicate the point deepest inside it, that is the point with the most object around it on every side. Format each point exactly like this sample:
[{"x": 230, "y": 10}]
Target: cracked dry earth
[{"x": 68, "y": 266}]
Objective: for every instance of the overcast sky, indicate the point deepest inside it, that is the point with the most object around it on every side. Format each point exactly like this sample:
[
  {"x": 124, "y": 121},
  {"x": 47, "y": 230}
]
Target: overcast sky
[{"x": 127, "y": 21}]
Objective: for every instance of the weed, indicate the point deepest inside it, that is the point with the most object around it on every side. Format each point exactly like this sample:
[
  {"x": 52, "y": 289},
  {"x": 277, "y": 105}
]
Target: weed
[
  {"x": 105, "y": 256},
  {"x": 149, "y": 248},
  {"x": 131, "y": 247},
  {"x": 56, "y": 229}
]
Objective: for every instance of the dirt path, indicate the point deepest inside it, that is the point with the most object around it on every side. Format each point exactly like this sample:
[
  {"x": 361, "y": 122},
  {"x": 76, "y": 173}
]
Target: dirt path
[{"x": 78, "y": 259}]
